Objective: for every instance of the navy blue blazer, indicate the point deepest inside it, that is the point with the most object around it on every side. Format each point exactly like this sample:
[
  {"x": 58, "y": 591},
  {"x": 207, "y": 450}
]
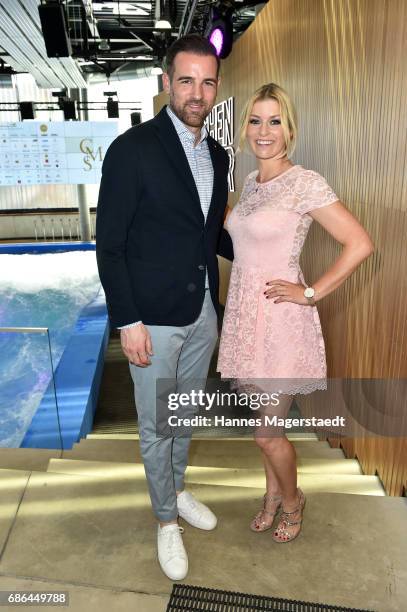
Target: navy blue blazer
[{"x": 152, "y": 242}]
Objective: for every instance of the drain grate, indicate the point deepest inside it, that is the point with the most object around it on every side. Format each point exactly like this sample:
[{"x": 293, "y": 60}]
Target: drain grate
[{"x": 186, "y": 598}]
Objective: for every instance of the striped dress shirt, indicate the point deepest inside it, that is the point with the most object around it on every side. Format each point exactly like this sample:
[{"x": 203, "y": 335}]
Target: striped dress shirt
[{"x": 200, "y": 162}]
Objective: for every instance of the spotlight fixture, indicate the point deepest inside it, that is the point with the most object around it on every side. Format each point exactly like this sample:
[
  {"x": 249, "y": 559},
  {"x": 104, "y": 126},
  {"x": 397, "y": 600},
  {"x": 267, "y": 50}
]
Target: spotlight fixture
[
  {"x": 67, "y": 106},
  {"x": 216, "y": 38},
  {"x": 61, "y": 96},
  {"x": 162, "y": 15},
  {"x": 112, "y": 105},
  {"x": 162, "y": 24},
  {"x": 112, "y": 108},
  {"x": 69, "y": 110},
  {"x": 135, "y": 118},
  {"x": 220, "y": 32},
  {"x": 26, "y": 110},
  {"x": 104, "y": 45}
]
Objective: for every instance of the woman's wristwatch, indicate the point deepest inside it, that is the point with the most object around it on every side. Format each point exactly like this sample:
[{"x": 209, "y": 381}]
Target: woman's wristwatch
[{"x": 309, "y": 293}]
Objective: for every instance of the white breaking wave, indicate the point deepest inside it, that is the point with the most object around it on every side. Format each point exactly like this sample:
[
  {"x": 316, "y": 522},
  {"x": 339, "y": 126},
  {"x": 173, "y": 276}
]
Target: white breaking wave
[{"x": 59, "y": 271}]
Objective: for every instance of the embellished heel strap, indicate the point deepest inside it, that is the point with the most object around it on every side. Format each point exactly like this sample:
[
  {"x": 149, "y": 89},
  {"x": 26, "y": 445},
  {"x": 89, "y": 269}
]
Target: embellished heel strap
[
  {"x": 259, "y": 523},
  {"x": 281, "y": 531},
  {"x": 271, "y": 498}
]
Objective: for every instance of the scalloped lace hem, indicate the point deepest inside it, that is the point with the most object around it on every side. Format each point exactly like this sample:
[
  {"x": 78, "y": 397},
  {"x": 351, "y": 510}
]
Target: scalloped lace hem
[{"x": 284, "y": 387}]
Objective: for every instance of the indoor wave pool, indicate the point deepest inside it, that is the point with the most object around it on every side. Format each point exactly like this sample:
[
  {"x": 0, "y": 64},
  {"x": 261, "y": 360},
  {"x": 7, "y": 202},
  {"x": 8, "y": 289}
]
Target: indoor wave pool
[{"x": 43, "y": 290}]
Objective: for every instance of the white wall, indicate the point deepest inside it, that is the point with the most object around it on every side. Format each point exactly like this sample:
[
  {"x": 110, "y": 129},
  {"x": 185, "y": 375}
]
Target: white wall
[{"x": 138, "y": 92}]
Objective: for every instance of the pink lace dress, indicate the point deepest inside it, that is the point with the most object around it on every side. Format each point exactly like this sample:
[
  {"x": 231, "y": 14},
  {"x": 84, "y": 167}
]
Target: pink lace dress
[{"x": 280, "y": 345}]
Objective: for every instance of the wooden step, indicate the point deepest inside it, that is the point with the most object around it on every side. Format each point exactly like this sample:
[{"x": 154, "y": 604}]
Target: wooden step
[{"x": 311, "y": 482}]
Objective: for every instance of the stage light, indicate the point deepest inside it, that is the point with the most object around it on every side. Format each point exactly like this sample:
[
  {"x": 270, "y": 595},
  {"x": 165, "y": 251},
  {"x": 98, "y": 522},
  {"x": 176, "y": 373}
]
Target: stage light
[
  {"x": 220, "y": 32},
  {"x": 164, "y": 14},
  {"x": 162, "y": 24},
  {"x": 104, "y": 45},
  {"x": 112, "y": 105},
  {"x": 26, "y": 110},
  {"x": 112, "y": 108},
  {"x": 216, "y": 38},
  {"x": 69, "y": 110},
  {"x": 135, "y": 118}
]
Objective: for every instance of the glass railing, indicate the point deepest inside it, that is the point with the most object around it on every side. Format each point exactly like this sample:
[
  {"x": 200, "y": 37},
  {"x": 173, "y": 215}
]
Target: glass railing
[{"x": 29, "y": 415}]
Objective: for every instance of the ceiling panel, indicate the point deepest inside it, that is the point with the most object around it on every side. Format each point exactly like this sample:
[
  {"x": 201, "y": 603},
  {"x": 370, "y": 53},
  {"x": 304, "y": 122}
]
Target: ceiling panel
[{"x": 21, "y": 37}]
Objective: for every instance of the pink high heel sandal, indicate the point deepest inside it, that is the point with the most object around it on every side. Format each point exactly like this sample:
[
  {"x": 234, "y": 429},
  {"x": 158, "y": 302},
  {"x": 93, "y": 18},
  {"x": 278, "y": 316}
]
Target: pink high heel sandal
[
  {"x": 263, "y": 525},
  {"x": 282, "y": 534}
]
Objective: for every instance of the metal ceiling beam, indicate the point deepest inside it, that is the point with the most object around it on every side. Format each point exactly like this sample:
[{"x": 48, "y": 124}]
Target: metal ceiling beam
[
  {"x": 137, "y": 37},
  {"x": 187, "y": 17}
]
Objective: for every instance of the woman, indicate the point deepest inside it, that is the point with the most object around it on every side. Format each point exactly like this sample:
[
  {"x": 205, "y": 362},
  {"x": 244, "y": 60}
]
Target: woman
[{"x": 271, "y": 331}]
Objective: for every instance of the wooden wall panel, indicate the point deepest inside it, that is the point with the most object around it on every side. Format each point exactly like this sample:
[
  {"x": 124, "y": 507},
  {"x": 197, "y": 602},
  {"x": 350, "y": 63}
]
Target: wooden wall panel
[{"x": 343, "y": 63}]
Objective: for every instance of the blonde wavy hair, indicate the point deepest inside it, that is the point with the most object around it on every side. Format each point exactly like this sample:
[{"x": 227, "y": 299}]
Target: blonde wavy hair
[{"x": 272, "y": 91}]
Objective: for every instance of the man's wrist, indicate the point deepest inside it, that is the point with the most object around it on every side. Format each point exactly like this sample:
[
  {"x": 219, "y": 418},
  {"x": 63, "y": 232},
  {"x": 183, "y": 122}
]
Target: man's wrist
[{"x": 131, "y": 325}]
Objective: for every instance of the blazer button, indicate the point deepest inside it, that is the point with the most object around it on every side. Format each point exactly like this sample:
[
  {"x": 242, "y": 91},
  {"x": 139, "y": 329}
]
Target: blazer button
[{"x": 201, "y": 267}]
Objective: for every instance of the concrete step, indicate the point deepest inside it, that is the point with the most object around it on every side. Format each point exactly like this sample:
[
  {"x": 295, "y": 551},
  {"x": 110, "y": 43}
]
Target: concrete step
[
  {"x": 206, "y": 453},
  {"x": 305, "y": 465},
  {"x": 101, "y": 533},
  {"x": 135, "y": 436},
  {"x": 310, "y": 465},
  {"x": 12, "y": 486},
  {"x": 239, "y": 452},
  {"x": 33, "y": 459},
  {"x": 91, "y": 599},
  {"x": 310, "y": 482}
]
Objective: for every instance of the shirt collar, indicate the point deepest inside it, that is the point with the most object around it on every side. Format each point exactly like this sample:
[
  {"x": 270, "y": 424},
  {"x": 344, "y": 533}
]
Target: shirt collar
[{"x": 182, "y": 128}]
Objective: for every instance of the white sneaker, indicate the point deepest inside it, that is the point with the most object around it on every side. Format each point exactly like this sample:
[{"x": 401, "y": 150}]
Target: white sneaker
[
  {"x": 194, "y": 512},
  {"x": 171, "y": 552}
]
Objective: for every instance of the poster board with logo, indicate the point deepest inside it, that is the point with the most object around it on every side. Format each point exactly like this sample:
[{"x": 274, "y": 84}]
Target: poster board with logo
[
  {"x": 39, "y": 152},
  {"x": 220, "y": 125}
]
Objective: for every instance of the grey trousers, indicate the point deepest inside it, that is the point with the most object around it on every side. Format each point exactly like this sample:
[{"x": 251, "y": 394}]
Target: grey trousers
[{"x": 182, "y": 354}]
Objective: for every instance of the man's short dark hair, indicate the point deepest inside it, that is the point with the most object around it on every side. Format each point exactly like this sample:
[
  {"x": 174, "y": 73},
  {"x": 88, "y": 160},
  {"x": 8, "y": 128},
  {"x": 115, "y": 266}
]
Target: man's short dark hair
[{"x": 191, "y": 43}]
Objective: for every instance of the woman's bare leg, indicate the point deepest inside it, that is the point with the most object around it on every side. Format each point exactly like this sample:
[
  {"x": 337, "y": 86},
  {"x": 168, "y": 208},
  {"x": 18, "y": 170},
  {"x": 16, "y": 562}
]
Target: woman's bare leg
[
  {"x": 280, "y": 460},
  {"x": 272, "y": 500}
]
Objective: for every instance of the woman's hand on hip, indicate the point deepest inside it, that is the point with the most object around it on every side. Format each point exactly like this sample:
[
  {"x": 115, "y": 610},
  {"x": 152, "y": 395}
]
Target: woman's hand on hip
[{"x": 283, "y": 291}]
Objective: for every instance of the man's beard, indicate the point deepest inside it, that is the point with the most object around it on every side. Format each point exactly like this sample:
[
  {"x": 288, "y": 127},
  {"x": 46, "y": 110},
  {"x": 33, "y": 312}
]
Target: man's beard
[{"x": 192, "y": 118}]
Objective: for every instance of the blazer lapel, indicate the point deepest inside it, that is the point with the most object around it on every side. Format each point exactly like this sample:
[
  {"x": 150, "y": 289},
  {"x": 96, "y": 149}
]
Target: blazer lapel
[
  {"x": 217, "y": 173},
  {"x": 175, "y": 151}
]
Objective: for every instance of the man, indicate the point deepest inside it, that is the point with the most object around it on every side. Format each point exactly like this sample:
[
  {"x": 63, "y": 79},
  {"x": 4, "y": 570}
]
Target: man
[{"x": 159, "y": 224}]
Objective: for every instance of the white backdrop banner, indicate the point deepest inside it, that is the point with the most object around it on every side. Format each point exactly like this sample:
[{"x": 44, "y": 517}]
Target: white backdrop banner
[{"x": 63, "y": 152}]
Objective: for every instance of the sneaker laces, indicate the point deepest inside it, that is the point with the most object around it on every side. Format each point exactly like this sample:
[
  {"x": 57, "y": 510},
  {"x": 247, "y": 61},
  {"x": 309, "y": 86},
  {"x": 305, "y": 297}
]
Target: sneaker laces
[{"x": 174, "y": 542}]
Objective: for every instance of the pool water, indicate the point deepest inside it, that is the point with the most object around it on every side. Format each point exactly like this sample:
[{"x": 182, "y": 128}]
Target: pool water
[{"x": 47, "y": 290}]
